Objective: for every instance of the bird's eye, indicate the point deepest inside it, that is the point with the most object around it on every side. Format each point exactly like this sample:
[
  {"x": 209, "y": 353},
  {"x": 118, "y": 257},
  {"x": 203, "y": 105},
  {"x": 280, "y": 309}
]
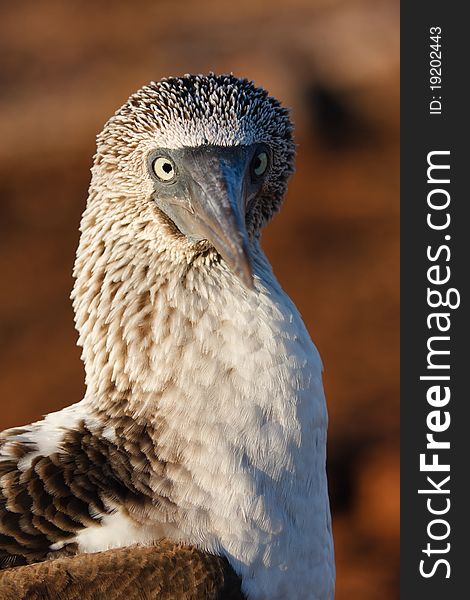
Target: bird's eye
[
  {"x": 164, "y": 168},
  {"x": 260, "y": 163}
]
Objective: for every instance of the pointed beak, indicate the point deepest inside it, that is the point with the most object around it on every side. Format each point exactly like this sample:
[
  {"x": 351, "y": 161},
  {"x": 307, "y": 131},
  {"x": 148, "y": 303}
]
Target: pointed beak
[
  {"x": 216, "y": 207},
  {"x": 218, "y": 202}
]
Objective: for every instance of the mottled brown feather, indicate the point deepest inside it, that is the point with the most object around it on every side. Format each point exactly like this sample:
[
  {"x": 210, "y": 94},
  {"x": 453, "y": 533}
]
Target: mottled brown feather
[
  {"x": 60, "y": 494},
  {"x": 164, "y": 572}
]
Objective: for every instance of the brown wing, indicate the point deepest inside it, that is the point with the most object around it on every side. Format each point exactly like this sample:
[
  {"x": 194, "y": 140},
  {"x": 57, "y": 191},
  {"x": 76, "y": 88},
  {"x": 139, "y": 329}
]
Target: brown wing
[
  {"x": 55, "y": 497},
  {"x": 164, "y": 572}
]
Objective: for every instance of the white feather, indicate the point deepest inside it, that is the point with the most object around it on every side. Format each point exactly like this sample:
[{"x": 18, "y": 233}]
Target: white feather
[
  {"x": 44, "y": 437},
  {"x": 115, "y": 531}
]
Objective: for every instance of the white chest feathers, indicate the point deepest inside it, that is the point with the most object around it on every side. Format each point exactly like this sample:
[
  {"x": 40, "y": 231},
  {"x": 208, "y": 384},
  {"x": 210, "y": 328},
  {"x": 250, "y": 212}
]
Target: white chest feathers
[{"x": 247, "y": 411}]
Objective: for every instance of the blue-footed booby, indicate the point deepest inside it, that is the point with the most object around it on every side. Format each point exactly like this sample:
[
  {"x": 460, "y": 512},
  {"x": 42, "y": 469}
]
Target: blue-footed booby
[{"x": 204, "y": 419}]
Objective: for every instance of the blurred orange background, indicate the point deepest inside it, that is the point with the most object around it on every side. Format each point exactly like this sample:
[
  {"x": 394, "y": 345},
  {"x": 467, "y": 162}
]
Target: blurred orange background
[{"x": 67, "y": 66}]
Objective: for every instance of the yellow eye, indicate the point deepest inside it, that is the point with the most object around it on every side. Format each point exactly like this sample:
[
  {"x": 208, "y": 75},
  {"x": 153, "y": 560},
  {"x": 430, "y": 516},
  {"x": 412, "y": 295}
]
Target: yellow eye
[
  {"x": 164, "y": 168},
  {"x": 260, "y": 163}
]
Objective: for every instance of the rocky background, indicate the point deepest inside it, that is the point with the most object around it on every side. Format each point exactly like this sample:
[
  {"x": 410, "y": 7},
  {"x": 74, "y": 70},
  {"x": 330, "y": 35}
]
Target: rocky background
[{"x": 65, "y": 66}]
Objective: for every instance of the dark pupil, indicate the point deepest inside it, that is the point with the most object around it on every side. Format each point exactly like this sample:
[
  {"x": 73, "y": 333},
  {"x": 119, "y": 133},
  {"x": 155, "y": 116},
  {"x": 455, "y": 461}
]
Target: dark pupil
[
  {"x": 167, "y": 167},
  {"x": 257, "y": 163}
]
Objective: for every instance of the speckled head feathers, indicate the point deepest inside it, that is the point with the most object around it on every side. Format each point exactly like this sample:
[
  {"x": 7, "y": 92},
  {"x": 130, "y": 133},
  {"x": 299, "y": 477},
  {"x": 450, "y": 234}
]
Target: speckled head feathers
[
  {"x": 195, "y": 109},
  {"x": 221, "y": 110}
]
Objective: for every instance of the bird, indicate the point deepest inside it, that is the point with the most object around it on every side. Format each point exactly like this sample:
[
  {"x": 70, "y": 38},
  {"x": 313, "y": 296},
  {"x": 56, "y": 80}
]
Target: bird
[{"x": 204, "y": 419}]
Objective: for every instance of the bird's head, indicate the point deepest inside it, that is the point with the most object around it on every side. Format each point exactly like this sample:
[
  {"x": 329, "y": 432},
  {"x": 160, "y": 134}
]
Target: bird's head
[{"x": 195, "y": 165}]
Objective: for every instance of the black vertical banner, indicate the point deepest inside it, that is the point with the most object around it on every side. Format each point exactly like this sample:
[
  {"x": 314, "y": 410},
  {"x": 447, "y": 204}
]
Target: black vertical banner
[{"x": 435, "y": 252}]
